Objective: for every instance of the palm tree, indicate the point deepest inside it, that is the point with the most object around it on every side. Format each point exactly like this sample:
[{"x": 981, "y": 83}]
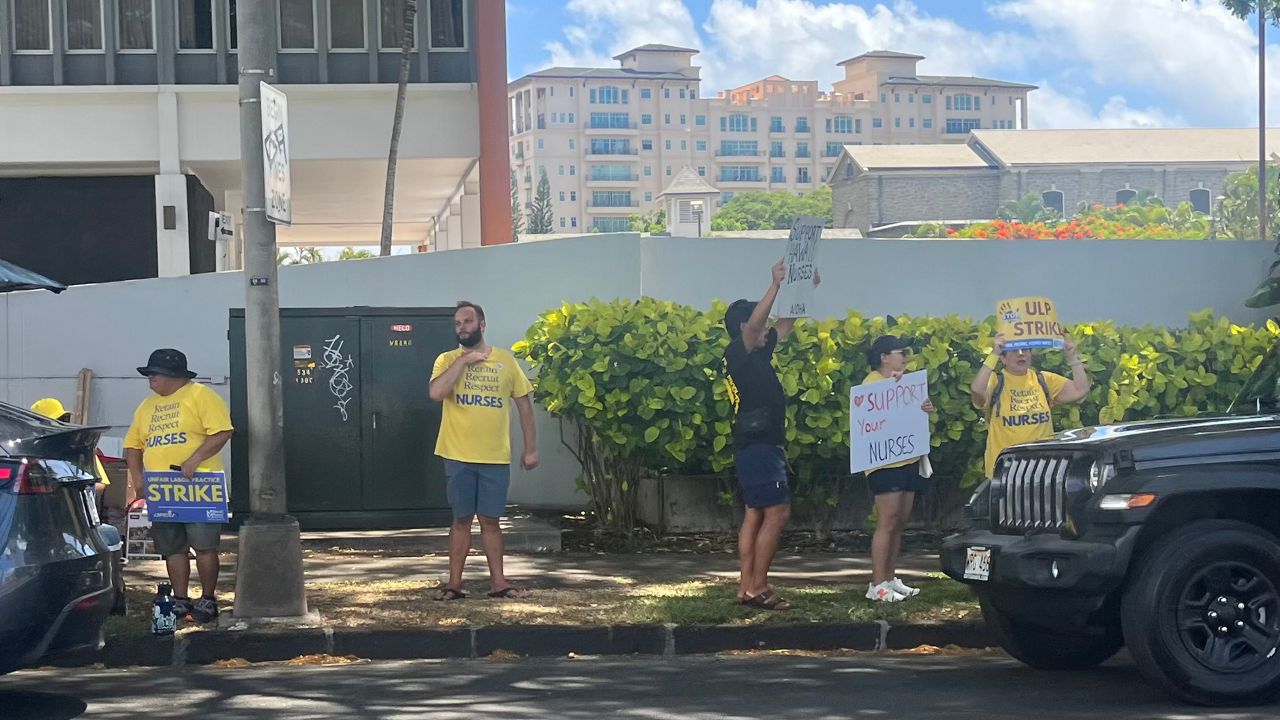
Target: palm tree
[
  {"x": 350, "y": 253},
  {"x": 406, "y": 58}
]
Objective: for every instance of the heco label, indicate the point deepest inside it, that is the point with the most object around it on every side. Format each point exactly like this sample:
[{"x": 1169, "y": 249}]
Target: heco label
[{"x": 401, "y": 328}]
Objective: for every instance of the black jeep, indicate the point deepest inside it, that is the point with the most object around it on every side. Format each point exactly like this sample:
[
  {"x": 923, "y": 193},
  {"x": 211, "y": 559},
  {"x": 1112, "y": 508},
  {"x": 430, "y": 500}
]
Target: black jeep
[{"x": 1160, "y": 535}]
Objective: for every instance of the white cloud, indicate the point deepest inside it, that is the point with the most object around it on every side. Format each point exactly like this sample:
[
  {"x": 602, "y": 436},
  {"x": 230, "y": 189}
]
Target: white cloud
[{"x": 1156, "y": 62}]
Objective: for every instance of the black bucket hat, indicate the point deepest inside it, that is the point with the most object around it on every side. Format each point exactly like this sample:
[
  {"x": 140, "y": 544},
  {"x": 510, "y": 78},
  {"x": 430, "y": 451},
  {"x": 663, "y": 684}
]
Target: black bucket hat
[
  {"x": 884, "y": 345},
  {"x": 167, "y": 361}
]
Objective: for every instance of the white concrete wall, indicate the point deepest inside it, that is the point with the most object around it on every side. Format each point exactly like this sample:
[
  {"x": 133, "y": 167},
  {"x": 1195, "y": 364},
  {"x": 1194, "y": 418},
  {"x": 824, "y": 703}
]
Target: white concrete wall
[{"x": 111, "y": 328}]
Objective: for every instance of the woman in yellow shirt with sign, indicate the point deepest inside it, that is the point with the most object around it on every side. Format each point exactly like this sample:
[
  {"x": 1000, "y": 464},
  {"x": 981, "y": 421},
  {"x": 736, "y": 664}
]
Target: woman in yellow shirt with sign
[{"x": 1019, "y": 400}]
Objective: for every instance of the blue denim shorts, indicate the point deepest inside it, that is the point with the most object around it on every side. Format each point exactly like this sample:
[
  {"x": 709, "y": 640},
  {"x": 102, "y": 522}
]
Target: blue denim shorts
[
  {"x": 762, "y": 475},
  {"x": 477, "y": 488}
]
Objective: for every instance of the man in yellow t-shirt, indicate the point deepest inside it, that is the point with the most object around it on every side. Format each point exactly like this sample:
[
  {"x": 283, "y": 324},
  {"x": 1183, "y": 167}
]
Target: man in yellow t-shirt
[
  {"x": 477, "y": 384},
  {"x": 182, "y": 425},
  {"x": 1021, "y": 411},
  {"x": 53, "y": 409}
]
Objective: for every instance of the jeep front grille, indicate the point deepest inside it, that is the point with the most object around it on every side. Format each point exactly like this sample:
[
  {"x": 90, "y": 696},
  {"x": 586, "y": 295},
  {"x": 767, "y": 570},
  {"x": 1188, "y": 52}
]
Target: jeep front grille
[{"x": 1035, "y": 493}]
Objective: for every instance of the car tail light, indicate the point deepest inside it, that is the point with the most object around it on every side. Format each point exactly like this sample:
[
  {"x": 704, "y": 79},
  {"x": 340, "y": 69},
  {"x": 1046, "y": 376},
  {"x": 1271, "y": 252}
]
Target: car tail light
[{"x": 23, "y": 483}]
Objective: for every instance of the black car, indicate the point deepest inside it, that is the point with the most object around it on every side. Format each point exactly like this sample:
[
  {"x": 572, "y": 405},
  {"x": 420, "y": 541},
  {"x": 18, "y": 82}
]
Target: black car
[
  {"x": 60, "y": 568},
  {"x": 1163, "y": 536}
]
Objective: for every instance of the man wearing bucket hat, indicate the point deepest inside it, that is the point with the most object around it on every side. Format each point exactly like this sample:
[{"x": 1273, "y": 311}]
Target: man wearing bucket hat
[
  {"x": 53, "y": 409},
  {"x": 181, "y": 425}
]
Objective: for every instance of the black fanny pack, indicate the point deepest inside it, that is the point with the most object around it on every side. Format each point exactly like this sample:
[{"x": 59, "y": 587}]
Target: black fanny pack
[{"x": 751, "y": 424}]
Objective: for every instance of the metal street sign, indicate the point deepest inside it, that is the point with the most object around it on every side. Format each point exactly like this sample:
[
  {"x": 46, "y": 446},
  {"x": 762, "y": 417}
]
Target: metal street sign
[
  {"x": 220, "y": 227},
  {"x": 275, "y": 155}
]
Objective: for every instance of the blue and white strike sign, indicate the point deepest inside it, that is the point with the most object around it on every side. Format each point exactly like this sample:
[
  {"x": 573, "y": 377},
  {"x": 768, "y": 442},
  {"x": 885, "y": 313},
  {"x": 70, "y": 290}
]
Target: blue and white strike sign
[{"x": 176, "y": 499}]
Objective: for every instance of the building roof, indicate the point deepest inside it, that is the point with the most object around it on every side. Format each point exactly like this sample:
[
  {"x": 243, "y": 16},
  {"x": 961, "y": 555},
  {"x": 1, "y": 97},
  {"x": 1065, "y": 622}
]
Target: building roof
[
  {"x": 688, "y": 182},
  {"x": 957, "y": 81},
  {"x": 605, "y": 74},
  {"x": 656, "y": 47},
  {"x": 1140, "y": 146},
  {"x": 882, "y": 54},
  {"x": 915, "y": 157}
]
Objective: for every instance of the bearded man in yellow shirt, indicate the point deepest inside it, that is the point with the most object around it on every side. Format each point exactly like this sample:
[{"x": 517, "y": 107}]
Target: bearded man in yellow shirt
[
  {"x": 183, "y": 425},
  {"x": 1020, "y": 399},
  {"x": 477, "y": 384}
]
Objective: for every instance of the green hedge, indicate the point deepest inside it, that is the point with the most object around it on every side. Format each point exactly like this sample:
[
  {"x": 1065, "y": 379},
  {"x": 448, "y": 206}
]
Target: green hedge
[{"x": 646, "y": 377}]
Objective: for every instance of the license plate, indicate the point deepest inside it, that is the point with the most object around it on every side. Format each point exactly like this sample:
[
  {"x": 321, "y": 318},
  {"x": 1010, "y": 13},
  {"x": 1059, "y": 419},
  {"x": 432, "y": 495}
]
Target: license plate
[{"x": 977, "y": 564}]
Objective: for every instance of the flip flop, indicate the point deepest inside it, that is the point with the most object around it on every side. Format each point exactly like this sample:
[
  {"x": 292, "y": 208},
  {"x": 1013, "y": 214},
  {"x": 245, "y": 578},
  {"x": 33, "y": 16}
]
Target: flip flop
[
  {"x": 768, "y": 600},
  {"x": 509, "y": 593},
  {"x": 448, "y": 594}
]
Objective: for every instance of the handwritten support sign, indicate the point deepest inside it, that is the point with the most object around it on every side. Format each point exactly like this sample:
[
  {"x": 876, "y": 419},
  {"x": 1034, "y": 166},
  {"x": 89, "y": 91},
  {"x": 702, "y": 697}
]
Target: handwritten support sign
[
  {"x": 176, "y": 499},
  {"x": 886, "y": 423},
  {"x": 1029, "y": 323},
  {"x": 795, "y": 297}
]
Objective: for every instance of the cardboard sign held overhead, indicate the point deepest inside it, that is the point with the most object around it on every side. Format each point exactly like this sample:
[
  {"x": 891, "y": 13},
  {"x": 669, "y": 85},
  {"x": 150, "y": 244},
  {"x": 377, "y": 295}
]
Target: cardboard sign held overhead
[
  {"x": 1029, "y": 323},
  {"x": 795, "y": 297}
]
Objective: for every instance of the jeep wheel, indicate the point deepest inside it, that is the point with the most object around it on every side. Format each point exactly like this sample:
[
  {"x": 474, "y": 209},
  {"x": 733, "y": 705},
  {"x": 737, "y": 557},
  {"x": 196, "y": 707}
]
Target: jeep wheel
[
  {"x": 1046, "y": 649},
  {"x": 1201, "y": 615}
]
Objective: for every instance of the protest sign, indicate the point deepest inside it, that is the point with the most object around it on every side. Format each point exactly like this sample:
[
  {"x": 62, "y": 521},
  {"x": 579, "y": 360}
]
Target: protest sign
[
  {"x": 174, "y": 498},
  {"x": 139, "y": 544},
  {"x": 886, "y": 422},
  {"x": 795, "y": 297},
  {"x": 1028, "y": 323}
]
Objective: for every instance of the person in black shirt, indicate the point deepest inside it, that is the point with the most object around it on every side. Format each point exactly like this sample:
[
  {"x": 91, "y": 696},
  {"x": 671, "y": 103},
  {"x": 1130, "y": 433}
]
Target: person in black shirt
[{"x": 759, "y": 433}]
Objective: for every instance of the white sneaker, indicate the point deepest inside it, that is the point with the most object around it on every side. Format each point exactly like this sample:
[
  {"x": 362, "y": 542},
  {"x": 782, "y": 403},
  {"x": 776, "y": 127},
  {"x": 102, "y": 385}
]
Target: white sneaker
[
  {"x": 884, "y": 592},
  {"x": 903, "y": 589}
]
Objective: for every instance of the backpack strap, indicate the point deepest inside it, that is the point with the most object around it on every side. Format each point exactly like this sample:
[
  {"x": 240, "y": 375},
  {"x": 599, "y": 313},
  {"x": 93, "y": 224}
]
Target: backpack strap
[
  {"x": 994, "y": 403},
  {"x": 1044, "y": 385}
]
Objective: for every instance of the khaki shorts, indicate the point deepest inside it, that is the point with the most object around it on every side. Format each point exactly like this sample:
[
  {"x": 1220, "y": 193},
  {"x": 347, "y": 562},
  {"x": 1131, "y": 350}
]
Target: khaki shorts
[{"x": 175, "y": 538}]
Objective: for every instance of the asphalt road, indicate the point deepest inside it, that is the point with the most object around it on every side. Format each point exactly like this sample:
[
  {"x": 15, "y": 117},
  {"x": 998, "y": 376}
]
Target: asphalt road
[{"x": 989, "y": 687}]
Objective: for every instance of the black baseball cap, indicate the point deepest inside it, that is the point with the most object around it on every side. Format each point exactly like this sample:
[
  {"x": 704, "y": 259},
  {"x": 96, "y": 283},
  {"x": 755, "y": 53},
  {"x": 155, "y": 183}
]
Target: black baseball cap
[
  {"x": 884, "y": 345},
  {"x": 167, "y": 361}
]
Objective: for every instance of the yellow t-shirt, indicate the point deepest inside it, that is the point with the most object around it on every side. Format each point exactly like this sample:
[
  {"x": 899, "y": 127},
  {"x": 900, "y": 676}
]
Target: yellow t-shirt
[
  {"x": 875, "y": 376},
  {"x": 476, "y": 423},
  {"x": 1024, "y": 413},
  {"x": 169, "y": 429}
]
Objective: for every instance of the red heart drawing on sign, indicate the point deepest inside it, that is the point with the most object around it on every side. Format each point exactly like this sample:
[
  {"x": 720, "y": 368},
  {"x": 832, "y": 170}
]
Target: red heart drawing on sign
[{"x": 857, "y": 400}]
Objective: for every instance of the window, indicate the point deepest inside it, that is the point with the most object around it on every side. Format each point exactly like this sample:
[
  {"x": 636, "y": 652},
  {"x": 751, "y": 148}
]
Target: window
[
  {"x": 832, "y": 150},
  {"x": 802, "y": 149},
  {"x": 539, "y": 143},
  {"x": 561, "y": 170},
  {"x": 573, "y": 221},
  {"x": 611, "y": 224},
  {"x": 883, "y": 97},
  {"x": 648, "y": 197},
  {"x": 928, "y": 123},
  {"x": 31, "y": 26},
  {"x": 1126, "y": 196},
  {"x": 737, "y": 122},
  {"x": 573, "y": 197},
  {"x": 897, "y": 97},
  {"x": 802, "y": 125},
  {"x": 573, "y": 170},
  {"x": 610, "y": 120},
  {"x": 683, "y": 119},
  {"x": 570, "y": 93},
  {"x": 843, "y": 124},
  {"x": 877, "y": 123},
  {"x": 561, "y": 196},
  {"x": 699, "y": 119},
  {"x": 681, "y": 93},
  {"x": 857, "y": 125},
  {"x": 702, "y": 170},
  {"x": 648, "y": 171},
  {"x": 135, "y": 25},
  {"x": 612, "y": 173},
  {"x": 573, "y": 144},
  {"x": 926, "y": 99},
  {"x": 195, "y": 24},
  {"x": 666, "y": 118},
  {"x": 447, "y": 22},
  {"x": 700, "y": 145},
  {"x": 740, "y": 173},
  {"x": 297, "y": 25},
  {"x": 739, "y": 148},
  {"x": 1201, "y": 201},
  {"x": 776, "y": 175},
  {"x": 668, "y": 171},
  {"x": 571, "y": 118},
  {"x": 962, "y": 101},
  {"x": 802, "y": 175},
  {"x": 83, "y": 25},
  {"x": 346, "y": 24},
  {"x": 775, "y": 125},
  {"x": 609, "y": 95},
  {"x": 646, "y": 144},
  {"x": 911, "y": 122},
  {"x": 645, "y": 93},
  {"x": 897, "y": 122},
  {"x": 666, "y": 93},
  {"x": 684, "y": 144},
  {"x": 775, "y": 149},
  {"x": 911, "y": 99},
  {"x": 948, "y": 102},
  {"x": 977, "y": 103},
  {"x": 960, "y": 126},
  {"x": 1052, "y": 199},
  {"x": 611, "y": 198},
  {"x": 667, "y": 145}
]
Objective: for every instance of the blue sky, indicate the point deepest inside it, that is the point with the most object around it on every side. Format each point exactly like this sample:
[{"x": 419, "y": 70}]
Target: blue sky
[{"x": 1099, "y": 63}]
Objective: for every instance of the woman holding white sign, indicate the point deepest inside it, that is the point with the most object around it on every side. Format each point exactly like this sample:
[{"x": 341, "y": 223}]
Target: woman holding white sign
[{"x": 894, "y": 485}]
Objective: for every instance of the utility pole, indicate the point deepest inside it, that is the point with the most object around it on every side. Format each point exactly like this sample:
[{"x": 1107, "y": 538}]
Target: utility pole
[
  {"x": 269, "y": 579},
  {"x": 1262, "y": 121}
]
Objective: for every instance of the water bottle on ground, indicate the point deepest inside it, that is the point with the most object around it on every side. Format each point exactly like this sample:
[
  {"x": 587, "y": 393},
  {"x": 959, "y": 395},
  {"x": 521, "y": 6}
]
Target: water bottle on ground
[{"x": 163, "y": 619}]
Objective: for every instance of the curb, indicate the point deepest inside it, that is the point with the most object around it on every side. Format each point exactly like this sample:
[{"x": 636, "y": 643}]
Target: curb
[{"x": 205, "y": 647}]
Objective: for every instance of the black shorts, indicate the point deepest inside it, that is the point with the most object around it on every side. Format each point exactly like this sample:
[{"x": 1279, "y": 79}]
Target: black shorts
[
  {"x": 762, "y": 475},
  {"x": 900, "y": 479}
]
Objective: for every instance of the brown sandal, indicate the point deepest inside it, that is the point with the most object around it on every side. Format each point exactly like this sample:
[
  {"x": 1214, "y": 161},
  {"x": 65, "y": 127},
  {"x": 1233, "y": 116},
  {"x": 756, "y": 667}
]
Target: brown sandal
[
  {"x": 768, "y": 600},
  {"x": 450, "y": 594}
]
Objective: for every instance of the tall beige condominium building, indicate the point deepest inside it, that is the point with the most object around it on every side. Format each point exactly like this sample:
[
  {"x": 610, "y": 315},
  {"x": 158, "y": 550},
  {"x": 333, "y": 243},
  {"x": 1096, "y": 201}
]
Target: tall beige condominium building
[{"x": 611, "y": 139}]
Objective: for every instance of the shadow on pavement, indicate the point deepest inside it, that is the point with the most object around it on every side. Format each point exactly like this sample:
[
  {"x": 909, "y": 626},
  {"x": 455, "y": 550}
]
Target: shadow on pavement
[{"x": 24, "y": 705}]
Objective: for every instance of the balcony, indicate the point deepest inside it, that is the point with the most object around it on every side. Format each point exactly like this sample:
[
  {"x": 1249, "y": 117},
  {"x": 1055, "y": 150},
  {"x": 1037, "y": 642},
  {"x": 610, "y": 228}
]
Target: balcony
[
  {"x": 610, "y": 128},
  {"x": 623, "y": 152},
  {"x": 803, "y": 129},
  {"x": 803, "y": 154},
  {"x": 741, "y": 156},
  {"x": 615, "y": 208},
  {"x": 745, "y": 179},
  {"x": 611, "y": 180}
]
